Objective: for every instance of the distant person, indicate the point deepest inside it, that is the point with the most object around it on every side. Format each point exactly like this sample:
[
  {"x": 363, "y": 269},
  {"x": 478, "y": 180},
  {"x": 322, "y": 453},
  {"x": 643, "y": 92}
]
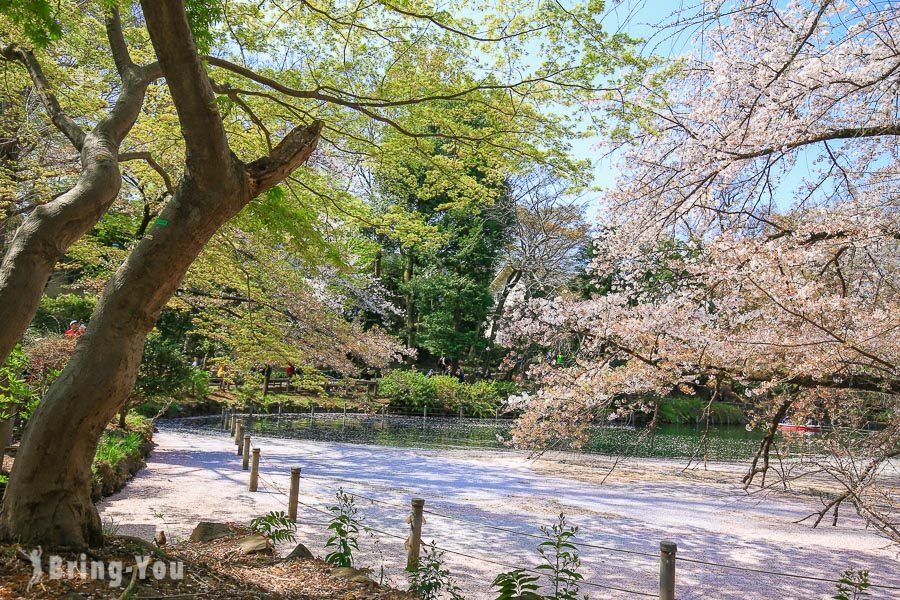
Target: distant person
[
  {"x": 72, "y": 331},
  {"x": 430, "y": 373},
  {"x": 196, "y": 362},
  {"x": 560, "y": 359},
  {"x": 220, "y": 373},
  {"x": 460, "y": 376},
  {"x": 81, "y": 329},
  {"x": 289, "y": 373}
]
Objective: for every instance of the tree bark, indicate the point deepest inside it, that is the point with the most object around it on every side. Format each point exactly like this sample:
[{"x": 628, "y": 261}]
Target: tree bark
[
  {"x": 48, "y": 498},
  {"x": 410, "y": 302},
  {"x": 50, "y": 229}
]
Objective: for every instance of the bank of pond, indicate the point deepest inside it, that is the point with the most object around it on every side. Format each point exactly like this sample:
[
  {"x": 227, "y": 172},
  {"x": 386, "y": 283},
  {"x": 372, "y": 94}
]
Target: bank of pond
[{"x": 723, "y": 442}]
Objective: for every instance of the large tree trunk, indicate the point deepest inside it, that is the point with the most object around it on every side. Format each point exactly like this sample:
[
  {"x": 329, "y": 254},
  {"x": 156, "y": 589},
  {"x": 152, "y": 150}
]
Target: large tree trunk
[
  {"x": 48, "y": 232},
  {"x": 48, "y": 498},
  {"x": 408, "y": 272},
  {"x": 50, "y": 229}
]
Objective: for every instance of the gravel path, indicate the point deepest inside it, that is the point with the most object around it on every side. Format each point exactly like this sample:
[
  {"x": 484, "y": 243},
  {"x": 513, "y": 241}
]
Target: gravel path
[{"x": 196, "y": 475}]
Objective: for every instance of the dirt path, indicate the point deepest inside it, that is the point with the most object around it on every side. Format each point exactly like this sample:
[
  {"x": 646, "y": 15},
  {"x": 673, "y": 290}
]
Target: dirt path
[{"x": 192, "y": 476}]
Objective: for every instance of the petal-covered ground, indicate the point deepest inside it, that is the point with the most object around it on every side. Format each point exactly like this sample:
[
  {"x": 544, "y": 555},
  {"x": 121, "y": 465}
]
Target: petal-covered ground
[{"x": 470, "y": 493}]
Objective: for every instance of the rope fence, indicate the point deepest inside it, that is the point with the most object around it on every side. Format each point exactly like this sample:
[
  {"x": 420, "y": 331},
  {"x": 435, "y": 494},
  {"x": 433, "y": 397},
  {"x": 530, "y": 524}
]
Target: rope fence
[{"x": 666, "y": 557}]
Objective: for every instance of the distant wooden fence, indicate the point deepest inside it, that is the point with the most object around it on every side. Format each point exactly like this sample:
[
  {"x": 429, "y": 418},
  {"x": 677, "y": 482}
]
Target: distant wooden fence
[{"x": 286, "y": 385}]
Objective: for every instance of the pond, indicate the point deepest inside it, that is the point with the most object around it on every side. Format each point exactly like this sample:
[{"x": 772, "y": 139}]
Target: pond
[{"x": 725, "y": 443}]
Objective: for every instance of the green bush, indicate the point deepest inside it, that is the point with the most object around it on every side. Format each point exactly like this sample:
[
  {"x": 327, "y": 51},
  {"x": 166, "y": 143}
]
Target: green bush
[
  {"x": 484, "y": 398},
  {"x": 408, "y": 390},
  {"x": 54, "y": 314},
  {"x": 166, "y": 372},
  {"x": 449, "y": 393}
]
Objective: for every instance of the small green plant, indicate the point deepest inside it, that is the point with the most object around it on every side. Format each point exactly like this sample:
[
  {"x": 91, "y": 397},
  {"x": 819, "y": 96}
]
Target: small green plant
[
  {"x": 110, "y": 527},
  {"x": 275, "y": 526},
  {"x": 344, "y": 525},
  {"x": 431, "y": 580},
  {"x": 853, "y": 585},
  {"x": 517, "y": 585},
  {"x": 561, "y": 560}
]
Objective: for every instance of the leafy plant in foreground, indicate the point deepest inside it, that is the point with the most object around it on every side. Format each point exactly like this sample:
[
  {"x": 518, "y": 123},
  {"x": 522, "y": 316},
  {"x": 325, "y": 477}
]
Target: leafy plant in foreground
[
  {"x": 275, "y": 526},
  {"x": 345, "y": 525},
  {"x": 431, "y": 580},
  {"x": 853, "y": 585},
  {"x": 561, "y": 560},
  {"x": 517, "y": 584}
]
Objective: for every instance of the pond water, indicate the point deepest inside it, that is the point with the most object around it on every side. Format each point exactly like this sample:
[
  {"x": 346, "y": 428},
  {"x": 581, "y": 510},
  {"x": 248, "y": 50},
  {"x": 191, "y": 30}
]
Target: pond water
[{"x": 725, "y": 443}]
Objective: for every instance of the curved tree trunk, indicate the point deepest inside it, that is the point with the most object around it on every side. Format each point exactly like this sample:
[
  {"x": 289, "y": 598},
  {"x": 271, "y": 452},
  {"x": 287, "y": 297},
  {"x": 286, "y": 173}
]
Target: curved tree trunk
[
  {"x": 48, "y": 500},
  {"x": 48, "y": 232},
  {"x": 50, "y": 229}
]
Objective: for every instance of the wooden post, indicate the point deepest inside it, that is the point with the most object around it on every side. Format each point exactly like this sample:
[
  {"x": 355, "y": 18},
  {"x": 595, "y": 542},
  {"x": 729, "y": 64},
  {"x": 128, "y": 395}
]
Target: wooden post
[
  {"x": 233, "y": 421},
  {"x": 415, "y": 534},
  {"x": 254, "y": 470},
  {"x": 667, "y": 552},
  {"x": 238, "y": 438},
  {"x": 246, "y": 453},
  {"x": 224, "y": 418},
  {"x": 382, "y": 417},
  {"x": 344, "y": 421},
  {"x": 294, "y": 494}
]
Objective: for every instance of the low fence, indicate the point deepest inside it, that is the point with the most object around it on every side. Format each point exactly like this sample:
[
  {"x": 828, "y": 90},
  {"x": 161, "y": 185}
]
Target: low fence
[
  {"x": 667, "y": 558},
  {"x": 289, "y": 385}
]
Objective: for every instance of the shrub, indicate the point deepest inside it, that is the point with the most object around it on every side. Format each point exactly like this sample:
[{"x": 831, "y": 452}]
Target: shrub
[
  {"x": 165, "y": 370},
  {"x": 518, "y": 584},
  {"x": 449, "y": 393},
  {"x": 484, "y": 398},
  {"x": 15, "y": 393},
  {"x": 276, "y": 527},
  {"x": 345, "y": 525},
  {"x": 408, "y": 390},
  {"x": 561, "y": 560},
  {"x": 54, "y": 314},
  {"x": 432, "y": 580}
]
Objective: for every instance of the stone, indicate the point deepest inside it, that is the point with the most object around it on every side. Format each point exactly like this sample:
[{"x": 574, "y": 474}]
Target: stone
[
  {"x": 207, "y": 531},
  {"x": 253, "y": 543},
  {"x": 160, "y": 538},
  {"x": 299, "y": 552}
]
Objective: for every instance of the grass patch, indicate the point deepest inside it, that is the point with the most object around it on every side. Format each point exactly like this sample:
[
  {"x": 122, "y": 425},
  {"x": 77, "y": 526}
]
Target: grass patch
[
  {"x": 120, "y": 453},
  {"x": 116, "y": 446}
]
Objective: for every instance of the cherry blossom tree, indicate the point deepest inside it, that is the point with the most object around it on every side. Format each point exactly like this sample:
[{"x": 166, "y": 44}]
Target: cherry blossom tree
[{"x": 752, "y": 243}]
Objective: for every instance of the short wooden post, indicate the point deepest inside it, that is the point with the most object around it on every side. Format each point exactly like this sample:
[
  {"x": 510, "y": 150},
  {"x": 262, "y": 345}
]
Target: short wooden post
[
  {"x": 294, "y": 494},
  {"x": 667, "y": 551},
  {"x": 246, "y": 453},
  {"x": 414, "y": 542},
  {"x": 224, "y": 418},
  {"x": 344, "y": 422},
  {"x": 254, "y": 470},
  {"x": 239, "y": 438},
  {"x": 382, "y": 417},
  {"x": 233, "y": 422}
]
